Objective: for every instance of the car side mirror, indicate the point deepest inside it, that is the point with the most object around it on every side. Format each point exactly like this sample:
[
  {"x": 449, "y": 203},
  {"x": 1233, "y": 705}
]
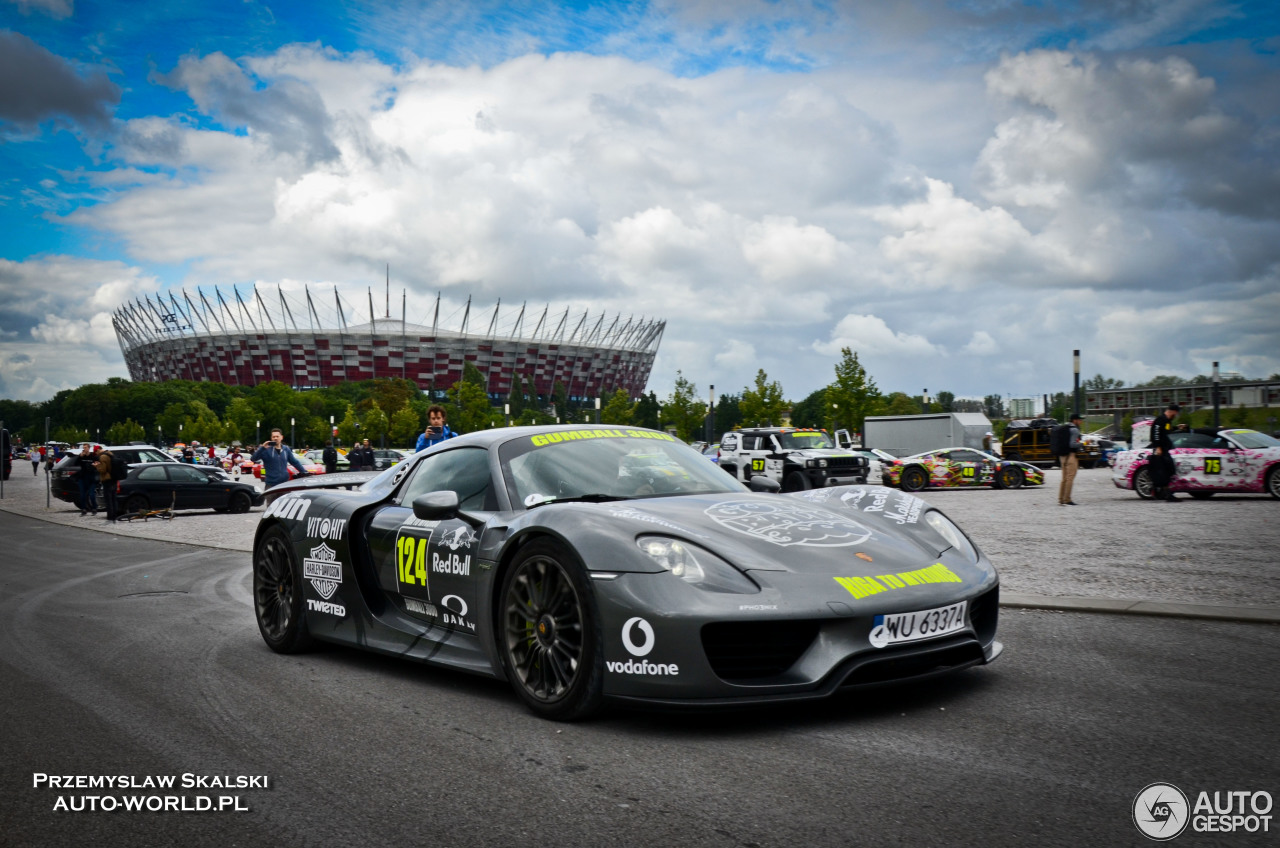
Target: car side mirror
[
  {"x": 436, "y": 506},
  {"x": 764, "y": 484}
]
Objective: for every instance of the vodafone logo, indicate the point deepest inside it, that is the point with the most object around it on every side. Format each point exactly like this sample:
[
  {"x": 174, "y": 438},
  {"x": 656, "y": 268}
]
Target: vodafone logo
[
  {"x": 642, "y": 668},
  {"x": 646, "y": 632}
]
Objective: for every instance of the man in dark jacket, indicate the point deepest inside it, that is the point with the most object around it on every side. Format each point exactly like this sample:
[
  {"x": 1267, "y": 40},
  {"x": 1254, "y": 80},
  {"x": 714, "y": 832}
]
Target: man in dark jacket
[
  {"x": 1163, "y": 469},
  {"x": 368, "y": 461},
  {"x": 105, "y": 474},
  {"x": 87, "y": 479},
  {"x": 330, "y": 457}
]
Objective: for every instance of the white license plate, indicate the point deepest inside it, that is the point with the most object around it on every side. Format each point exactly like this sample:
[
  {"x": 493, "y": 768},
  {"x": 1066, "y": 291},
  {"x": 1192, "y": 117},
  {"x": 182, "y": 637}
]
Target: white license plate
[{"x": 914, "y": 626}]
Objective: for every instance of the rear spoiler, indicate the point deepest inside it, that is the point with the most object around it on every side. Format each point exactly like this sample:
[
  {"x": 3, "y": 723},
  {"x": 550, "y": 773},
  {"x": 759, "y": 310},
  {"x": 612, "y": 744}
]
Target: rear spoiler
[{"x": 341, "y": 480}]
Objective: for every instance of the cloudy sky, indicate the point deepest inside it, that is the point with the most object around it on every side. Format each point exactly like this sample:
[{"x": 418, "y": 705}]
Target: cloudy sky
[{"x": 962, "y": 191}]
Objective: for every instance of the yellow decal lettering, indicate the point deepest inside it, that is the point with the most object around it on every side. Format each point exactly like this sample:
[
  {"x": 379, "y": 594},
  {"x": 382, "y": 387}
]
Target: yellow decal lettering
[{"x": 860, "y": 587}]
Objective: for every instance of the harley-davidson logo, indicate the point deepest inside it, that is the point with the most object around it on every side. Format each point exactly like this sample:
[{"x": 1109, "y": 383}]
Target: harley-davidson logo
[
  {"x": 323, "y": 570},
  {"x": 788, "y": 521}
]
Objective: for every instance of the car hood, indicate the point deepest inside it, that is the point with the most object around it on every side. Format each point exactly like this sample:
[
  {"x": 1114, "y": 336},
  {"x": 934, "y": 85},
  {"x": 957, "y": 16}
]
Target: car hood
[{"x": 839, "y": 531}]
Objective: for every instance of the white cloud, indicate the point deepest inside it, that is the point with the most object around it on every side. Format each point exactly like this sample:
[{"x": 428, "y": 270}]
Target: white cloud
[
  {"x": 982, "y": 344},
  {"x": 870, "y": 335}
]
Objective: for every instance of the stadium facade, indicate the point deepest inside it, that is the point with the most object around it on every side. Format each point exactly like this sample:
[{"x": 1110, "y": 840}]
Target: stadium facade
[{"x": 239, "y": 339}]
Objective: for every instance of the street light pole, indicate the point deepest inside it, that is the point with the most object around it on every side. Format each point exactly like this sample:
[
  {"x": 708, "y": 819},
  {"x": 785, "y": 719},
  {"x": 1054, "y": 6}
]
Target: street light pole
[
  {"x": 293, "y": 432},
  {"x": 597, "y": 409},
  {"x": 926, "y": 401},
  {"x": 1215, "y": 396},
  {"x": 711, "y": 417},
  {"x": 257, "y": 433},
  {"x": 1075, "y": 390}
]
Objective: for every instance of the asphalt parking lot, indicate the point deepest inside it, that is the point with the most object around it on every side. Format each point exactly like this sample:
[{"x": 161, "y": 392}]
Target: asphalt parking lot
[{"x": 1112, "y": 549}]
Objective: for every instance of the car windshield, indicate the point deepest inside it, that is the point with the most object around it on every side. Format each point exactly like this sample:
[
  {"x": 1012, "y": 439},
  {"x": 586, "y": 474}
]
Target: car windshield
[
  {"x": 605, "y": 464},
  {"x": 1253, "y": 439},
  {"x": 804, "y": 439}
]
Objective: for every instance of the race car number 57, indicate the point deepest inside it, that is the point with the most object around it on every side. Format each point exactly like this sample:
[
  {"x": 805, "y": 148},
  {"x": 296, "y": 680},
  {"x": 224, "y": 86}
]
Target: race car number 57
[{"x": 914, "y": 626}]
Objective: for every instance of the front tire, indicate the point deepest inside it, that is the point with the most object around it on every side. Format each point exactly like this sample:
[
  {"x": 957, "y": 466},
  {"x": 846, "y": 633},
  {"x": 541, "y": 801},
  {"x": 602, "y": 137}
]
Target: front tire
[
  {"x": 277, "y": 594},
  {"x": 1273, "y": 482},
  {"x": 913, "y": 480},
  {"x": 549, "y": 635},
  {"x": 796, "y": 482},
  {"x": 1142, "y": 484}
]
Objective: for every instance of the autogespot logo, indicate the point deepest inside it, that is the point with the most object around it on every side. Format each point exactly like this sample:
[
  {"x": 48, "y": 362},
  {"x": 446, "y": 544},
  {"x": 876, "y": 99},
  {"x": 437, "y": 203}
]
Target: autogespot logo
[{"x": 1161, "y": 811}]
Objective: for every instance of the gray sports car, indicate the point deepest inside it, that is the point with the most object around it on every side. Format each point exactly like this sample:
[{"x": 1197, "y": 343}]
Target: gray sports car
[{"x": 594, "y": 564}]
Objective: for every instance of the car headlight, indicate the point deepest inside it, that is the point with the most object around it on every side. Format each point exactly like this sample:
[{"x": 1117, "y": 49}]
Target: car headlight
[
  {"x": 696, "y": 565},
  {"x": 952, "y": 534}
]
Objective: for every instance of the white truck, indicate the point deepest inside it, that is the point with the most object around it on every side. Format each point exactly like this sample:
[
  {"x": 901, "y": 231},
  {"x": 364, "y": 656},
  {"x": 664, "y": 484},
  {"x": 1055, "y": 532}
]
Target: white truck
[{"x": 907, "y": 435}]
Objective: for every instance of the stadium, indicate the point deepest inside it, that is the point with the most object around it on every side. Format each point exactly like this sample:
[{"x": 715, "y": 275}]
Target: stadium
[{"x": 239, "y": 339}]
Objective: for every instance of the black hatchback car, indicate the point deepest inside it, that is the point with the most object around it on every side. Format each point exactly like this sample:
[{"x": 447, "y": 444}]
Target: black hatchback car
[
  {"x": 65, "y": 486},
  {"x": 157, "y": 485}
]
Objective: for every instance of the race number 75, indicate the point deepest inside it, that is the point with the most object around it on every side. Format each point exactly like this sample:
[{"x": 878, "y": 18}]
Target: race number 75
[
  {"x": 1212, "y": 465},
  {"x": 411, "y": 560}
]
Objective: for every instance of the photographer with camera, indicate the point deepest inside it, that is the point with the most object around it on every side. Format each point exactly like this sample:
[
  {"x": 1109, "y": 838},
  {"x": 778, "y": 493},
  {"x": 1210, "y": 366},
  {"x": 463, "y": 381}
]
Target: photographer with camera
[
  {"x": 276, "y": 457},
  {"x": 437, "y": 430}
]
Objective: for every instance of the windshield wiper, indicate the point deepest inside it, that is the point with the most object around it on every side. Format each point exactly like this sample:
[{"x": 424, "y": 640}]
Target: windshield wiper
[{"x": 597, "y": 497}]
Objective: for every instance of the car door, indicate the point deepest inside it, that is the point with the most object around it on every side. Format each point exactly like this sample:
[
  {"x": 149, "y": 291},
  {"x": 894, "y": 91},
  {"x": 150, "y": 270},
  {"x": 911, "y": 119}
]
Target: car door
[
  {"x": 429, "y": 567},
  {"x": 971, "y": 467},
  {"x": 191, "y": 487}
]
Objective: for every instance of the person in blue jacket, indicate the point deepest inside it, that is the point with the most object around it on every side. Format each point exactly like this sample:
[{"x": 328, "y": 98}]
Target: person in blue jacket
[
  {"x": 437, "y": 430},
  {"x": 276, "y": 457}
]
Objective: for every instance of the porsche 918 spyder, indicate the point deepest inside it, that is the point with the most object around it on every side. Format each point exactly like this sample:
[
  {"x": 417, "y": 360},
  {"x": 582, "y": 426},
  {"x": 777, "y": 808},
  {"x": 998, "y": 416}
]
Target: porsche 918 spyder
[
  {"x": 958, "y": 467},
  {"x": 586, "y": 565}
]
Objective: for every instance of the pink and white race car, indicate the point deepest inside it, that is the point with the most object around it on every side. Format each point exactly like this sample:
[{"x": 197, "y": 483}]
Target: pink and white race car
[{"x": 1208, "y": 461}]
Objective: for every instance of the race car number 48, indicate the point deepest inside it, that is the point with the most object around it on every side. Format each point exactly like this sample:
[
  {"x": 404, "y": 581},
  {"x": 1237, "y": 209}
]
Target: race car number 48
[{"x": 914, "y": 626}]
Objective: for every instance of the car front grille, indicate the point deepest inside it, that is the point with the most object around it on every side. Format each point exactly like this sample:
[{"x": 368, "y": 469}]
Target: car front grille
[
  {"x": 748, "y": 650},
  {"x": 906, "y": 662},
  {"x": 848, "y": 463}
]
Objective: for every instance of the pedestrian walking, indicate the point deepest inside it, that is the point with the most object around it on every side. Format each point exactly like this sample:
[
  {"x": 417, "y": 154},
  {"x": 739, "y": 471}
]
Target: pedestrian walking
[
  {"x": 330, "y": 457},
  {"x": 1161, "y": 464},
  {"x": 1070, "y": 461},
  {"x": 36, "y": 455}
]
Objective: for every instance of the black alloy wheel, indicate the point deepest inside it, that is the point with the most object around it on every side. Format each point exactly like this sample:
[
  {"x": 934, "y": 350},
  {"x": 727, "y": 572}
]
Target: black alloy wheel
[
  {"x": 277, "y": 594},
  {"x": 1273, "y": 482},
  {"x": 240, "y": 502},
  {"x": 796, "y": 481},
  {"x": 549, "y": 633},
  {"x": 913, "y": 480}
]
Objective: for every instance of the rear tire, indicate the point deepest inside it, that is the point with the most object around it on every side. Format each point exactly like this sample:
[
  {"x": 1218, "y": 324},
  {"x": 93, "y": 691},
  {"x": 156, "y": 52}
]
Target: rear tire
[
  {"x": 1273, "y": 482},
  {"x": 548, "y": 633},
  {"x": 1142, "y": 484},
  {"x": 277, "y": 594},
  {"x": 137, "y": 503},
  {"x": 1012, "y": 478},
  {"x": 913, "y": 480}
]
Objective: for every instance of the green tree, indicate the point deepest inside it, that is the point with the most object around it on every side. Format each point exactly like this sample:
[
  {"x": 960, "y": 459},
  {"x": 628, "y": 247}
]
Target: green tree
[
  {"x": 618, "y": 410},
  {"x": 763, "y": 405},
  {"x": 471, "y": 409},
  {"x": 169, "y": 421},
  {"x": 728, "y": 414},
  {"x": 67, "y": 433},
  {"x": 560, "y": 399},
  {"x": 900, "y": 403},
  {"x": 349, "y": 427},
  {"x": 241, "y": 419},
  {"x": 947, "y": 401},
  {"x": 647, "y": 412},
  {"x": 473, "y": 375},
  {"x": 1237, "y": 417},
  {"x": 854, "y": 395},
  {"x": 1100, "y": 383},
  {"x": 515, "y": 397},
  {"x": 202, "y": 425},
  {"x": 813, "y": 411},
  {"x": 405, "y": 426},
  {"x": 683, "y": 409},
  {"x": 124, "y": 432},
  {"x": 376, "y": 425}
]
